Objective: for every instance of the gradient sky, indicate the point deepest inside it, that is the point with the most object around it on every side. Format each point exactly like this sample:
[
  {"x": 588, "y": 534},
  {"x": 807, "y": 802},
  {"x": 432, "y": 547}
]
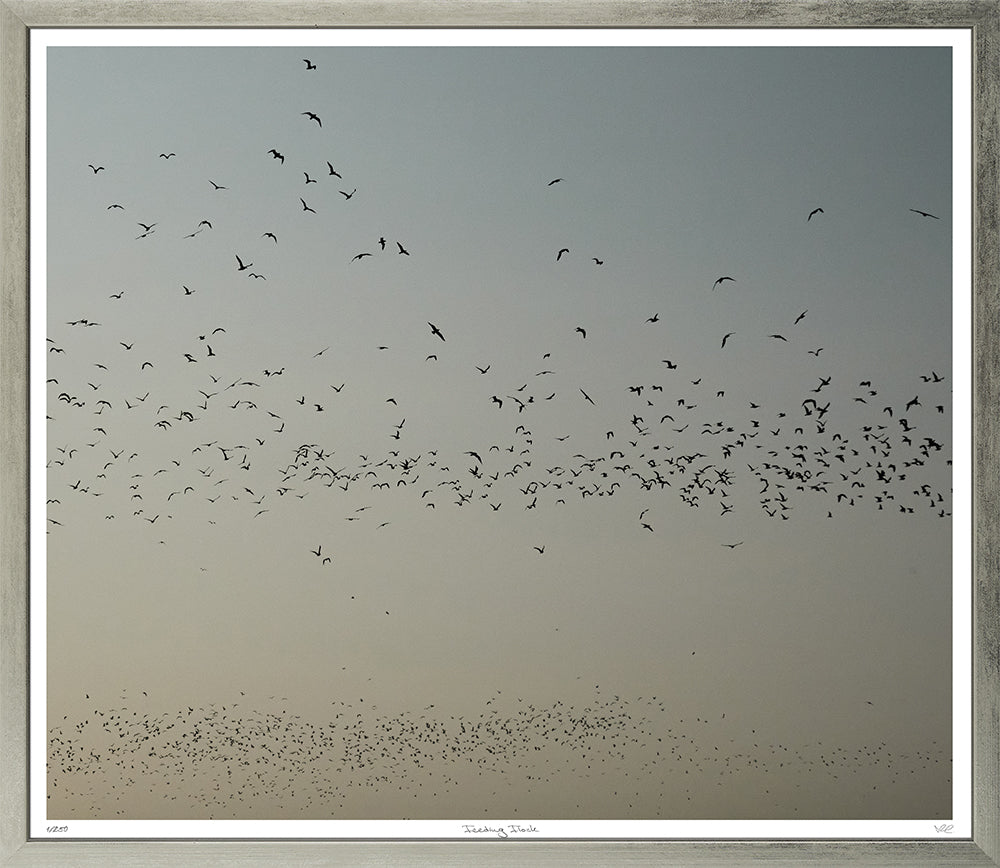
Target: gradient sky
[{"x": 678, "y": 166}]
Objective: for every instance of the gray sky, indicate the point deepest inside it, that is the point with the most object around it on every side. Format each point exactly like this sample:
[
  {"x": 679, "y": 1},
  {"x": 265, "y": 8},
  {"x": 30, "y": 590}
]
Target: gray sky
[{"x": 183, "y": 563}]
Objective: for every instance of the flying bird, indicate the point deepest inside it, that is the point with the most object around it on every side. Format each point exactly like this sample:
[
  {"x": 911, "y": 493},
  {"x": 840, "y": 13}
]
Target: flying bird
[
  {"x": 813, "y": 213},
  {"x": 276, "y": 155},
  {"x": 725, "y": 338},
  {"x": 96, "y": 168},
  {"x": 309, "y": 64},
  {"x": 720, "y": 280},
  {"x": 333, "y": 171},
  {"x": 800, "y": 317},
  {"x": 168, "y": 156},
  {"x": 561, "y": 252},
  {"x": 313, "y": 117},
  {"x": 554, "y": 181},
  {"x": 241, "y": 266},
  {"x": 582, "y": 331},
  {"x": 924, "y": 214},
  {"x": 305, "y": 207},
  {"x": 348, "y": 195},
  {"x": 217, "y": 186},
  {"x": 402, "y": 249},
  {"x": 435, "y": 330}
]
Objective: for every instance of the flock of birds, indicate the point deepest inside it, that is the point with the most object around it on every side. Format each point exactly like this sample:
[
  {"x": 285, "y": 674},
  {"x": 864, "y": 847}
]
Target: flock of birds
[
  {"x": 612, "y": 758},
  {"x": 142, "y": 436}
]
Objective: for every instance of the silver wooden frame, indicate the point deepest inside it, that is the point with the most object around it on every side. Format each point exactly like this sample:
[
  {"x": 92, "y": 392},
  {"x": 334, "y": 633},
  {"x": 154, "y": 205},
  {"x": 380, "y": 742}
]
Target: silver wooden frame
[{"x": 18, "y": 17}]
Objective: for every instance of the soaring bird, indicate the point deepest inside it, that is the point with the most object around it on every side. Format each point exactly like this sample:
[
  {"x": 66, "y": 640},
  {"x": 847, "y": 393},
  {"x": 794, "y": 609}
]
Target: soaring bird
[
  {"x": 308, "y": 179},
  {"x": 217, "y": 186},
  {"x": 270, "y": 235},
  {"x": 435, "y": 330},
  {"x": 115, "y": 205},
  {"x": 582, "y": 331},
  {"x": 800, "y": 317},
  {"x": 813, "y": 213},
  {"x": 554, "y": 181},
  {"x": 313, "y": 117},
  {"x": 348, "y": 195},
  {"x": 924, "y": 214},
  {"x": 402, "y": 249},
  {"x": 241, "y": 266},
  {"x": 276, "y": 155},
  {"x": 305, "y": 207},
  {"x": 96, "y": 168},
  {"x": 561, "y": 252},
  {"x": 309, "y": 64},
  {"x": 779, "y": 337},
  {"x": 720, "y": 280},
  {"x": 333, "y": 171},
  {"x": 725, "y": 338},
  {"x": 168, "y": 156}
]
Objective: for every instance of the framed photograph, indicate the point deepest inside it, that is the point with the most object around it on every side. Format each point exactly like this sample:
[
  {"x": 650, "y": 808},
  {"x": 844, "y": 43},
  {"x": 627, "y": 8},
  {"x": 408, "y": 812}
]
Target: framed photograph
[{"x": 554, "y": 434}]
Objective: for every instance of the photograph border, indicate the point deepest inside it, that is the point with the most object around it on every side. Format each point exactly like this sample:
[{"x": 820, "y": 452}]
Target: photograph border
[{"x": 19, "y": 17}]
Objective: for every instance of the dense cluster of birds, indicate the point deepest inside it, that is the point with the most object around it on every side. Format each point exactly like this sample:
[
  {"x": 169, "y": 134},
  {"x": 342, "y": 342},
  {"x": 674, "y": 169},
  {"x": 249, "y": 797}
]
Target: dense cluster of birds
[
  {"x": 670, "y": 429},
  {"x": 233, "y": 760}
]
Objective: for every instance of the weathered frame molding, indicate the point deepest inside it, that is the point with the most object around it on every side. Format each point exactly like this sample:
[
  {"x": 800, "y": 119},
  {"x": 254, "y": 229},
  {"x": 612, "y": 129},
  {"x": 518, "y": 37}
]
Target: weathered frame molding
[{"x": 18, "y": 17}]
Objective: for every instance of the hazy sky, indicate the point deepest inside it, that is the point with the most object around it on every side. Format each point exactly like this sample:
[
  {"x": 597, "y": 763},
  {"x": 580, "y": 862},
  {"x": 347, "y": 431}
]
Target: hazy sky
[{"x": 646, "y": 512}]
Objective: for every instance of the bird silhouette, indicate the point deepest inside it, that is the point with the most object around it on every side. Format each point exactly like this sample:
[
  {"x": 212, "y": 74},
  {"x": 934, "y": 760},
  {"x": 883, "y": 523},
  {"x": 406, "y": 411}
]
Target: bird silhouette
[{"x": 313, "y": 117}]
